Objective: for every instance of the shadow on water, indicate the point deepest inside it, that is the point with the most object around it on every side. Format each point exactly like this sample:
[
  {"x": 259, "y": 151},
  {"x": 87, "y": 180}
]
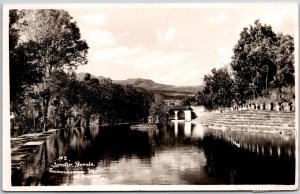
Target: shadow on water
[
  {"x": 230, "y": 163},
  {"x": 100, "y": 145},
  {"x": 179, "y": 153}
]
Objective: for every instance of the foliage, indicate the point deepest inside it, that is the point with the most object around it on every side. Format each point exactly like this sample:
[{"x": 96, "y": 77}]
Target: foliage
[
  {"x": 158, "y": 109},
  {"x": 48, "y": 45},
  {"x": 262, "y": 68},
  {"x": 262, "y": 61},
  {"x": 24, "y": 69},
  {"x": 217, "y": 91}
]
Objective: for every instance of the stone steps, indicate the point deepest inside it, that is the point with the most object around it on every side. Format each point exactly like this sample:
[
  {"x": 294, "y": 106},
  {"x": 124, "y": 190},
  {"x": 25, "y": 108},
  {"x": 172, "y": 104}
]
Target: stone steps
[
  {"x": 30, "y": 155},
  {"x": 250, "y": 118},
  {"x": 253, "y": 122},
  {"x": 275, "y": 122},
  {"x": 257, "y": 116},
  {"x": 259, "y": 119},
  {"x": 252, "y": 126},
  {"x": 263, "y": 121},
  {"x": 264, "y": 129}
]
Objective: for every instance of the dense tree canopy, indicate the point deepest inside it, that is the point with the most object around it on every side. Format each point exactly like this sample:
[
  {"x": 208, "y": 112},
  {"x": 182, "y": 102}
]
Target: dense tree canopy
[
  {"x": 45, "y": 49},
  {"x": 44, "y": 44},
  {"x": 262, "y": 60},
  {"x": 262, "y": 66},
  {"x": 217, "y": 91}
]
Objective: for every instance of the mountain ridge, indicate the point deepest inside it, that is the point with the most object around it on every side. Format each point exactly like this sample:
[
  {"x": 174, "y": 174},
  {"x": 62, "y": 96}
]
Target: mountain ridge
[{"x": 150, "y": 85}]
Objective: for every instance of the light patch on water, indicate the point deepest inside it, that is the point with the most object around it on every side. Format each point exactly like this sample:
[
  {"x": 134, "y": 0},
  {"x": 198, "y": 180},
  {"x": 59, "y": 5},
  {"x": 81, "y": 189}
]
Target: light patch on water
[{"x": 165, "y": 167}]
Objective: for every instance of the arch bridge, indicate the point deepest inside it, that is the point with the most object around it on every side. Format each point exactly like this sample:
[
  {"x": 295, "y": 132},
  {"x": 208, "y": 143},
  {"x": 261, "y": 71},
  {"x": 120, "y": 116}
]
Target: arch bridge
[{"x": 181, "y": 113}]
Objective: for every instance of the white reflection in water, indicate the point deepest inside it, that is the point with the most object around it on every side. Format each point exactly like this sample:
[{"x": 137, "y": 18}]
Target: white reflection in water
[
  {"x": 173, "y": 166},
  {"x": 176, "y": 128},
  {"x": 191, "y": 129},
  {"x": 198, "y": 131},
  {"x": 187, "y": 129}
]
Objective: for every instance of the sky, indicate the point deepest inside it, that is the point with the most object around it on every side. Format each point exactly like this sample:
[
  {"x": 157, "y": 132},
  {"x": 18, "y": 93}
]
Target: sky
[{"x": 174, "y": 45}]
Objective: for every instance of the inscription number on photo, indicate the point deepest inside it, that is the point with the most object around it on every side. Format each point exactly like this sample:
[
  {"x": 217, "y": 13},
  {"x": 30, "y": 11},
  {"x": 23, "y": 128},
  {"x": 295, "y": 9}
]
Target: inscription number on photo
[{"x": 62, "y": 158}]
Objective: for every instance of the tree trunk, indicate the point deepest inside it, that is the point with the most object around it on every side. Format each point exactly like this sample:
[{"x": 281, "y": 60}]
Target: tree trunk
[
  {"x": 64, "y": 121},
  {"x": 267, "y": 78},
  {"x": 87, "y": 120},
  {"x": 46, "y": 107}
]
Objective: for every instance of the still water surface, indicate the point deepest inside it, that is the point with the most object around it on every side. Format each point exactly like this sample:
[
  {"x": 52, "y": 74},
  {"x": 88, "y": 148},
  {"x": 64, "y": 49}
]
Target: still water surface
[{"x": 181, "y": 153}]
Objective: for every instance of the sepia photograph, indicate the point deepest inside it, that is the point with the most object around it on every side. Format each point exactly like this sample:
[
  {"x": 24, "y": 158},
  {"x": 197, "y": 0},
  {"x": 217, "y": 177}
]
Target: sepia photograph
[{"x": 150, "y": 97}]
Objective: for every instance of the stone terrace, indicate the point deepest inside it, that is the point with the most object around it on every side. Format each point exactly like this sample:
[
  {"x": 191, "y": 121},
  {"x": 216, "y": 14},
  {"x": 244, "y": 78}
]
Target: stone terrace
[
  {"x": 251, "y": 120},
  {"x": 28, "y": 154}
]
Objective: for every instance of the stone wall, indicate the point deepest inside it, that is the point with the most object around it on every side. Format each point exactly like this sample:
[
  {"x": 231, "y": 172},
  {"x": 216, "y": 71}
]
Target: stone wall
[
  {"x": 31, "y": 154},
  {"x": 270, "y": 106},
  {"x": 281, "y": 122}
]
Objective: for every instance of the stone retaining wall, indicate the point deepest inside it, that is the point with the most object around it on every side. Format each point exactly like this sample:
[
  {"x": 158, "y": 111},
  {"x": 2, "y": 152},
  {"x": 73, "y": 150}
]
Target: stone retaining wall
[
  {"x": 31, "y": 154},
  {"x": 251, "y": 121},
  {"x": 271, "y": 106}
]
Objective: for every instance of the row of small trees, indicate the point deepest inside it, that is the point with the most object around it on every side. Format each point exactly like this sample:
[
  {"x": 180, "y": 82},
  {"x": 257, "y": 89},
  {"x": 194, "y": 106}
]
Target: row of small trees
[
  {"x": 262, "y": 66},
  {"x": 45, "y": 49}
]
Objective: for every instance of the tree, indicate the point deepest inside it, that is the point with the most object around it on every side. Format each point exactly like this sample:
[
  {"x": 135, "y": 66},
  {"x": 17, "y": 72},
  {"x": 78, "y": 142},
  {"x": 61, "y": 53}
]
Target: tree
[
  {"x": 253, "y": 60},
  {"x": 284, "y": 61},
  {"x": 55, "y": 45},
  {"x": 25, "y": 70},
  {"x": 158, "y": 109},
  {"x": 14, "y": 16},
  {"x": 217, "y": 91},
  {"x": 23, "y": 67},
  {"x": 262, "y": 61}
]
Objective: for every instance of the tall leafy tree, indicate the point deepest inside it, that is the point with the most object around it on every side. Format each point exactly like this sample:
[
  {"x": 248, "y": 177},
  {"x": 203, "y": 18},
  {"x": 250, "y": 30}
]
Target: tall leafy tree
[
  {"x": 285, "y": 61},
  {"x": 253, "y": 60},
  {"x": 56, "y": 47},
  {"x": 158, "y": 109},
  {"x": 262, "y": 61},
  {"x": 217, "y": 91},
  {"x": 23, "y": 67}
]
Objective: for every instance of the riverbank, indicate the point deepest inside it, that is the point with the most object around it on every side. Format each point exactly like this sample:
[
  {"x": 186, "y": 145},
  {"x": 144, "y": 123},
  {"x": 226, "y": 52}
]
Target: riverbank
[
  {"x": 29, "y": 153},
  {"x": 250, "y": 121}
]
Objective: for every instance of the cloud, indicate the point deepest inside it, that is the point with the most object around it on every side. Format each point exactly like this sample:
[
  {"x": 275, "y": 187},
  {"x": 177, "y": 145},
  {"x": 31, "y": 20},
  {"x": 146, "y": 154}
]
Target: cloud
[
  {"x": 124, "y": 62},
  {"x": 224, "y": 55},
  {"x": 94, "y": 19},
  {"x": 172, "y": 46},
  {"x": 167, "y": 36},
  {"x": 280, "y": 18},
  {"x": 173, "y": 68},
  {"x": 115, "y": 54},
  {"x": 97, "y": 39},
  {"x": 155, "y": 61},
  {"x": 93, "y": 28},
  {"x": 217, "y": 18}
]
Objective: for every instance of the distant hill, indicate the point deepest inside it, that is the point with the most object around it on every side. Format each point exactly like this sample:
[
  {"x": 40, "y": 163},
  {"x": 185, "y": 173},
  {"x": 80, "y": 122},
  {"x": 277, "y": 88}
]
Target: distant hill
[{"x": 168, "y": 91}]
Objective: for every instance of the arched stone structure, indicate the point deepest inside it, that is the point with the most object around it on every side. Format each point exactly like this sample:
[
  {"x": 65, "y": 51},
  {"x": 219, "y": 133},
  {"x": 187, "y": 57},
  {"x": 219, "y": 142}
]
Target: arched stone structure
[{"x": 181, "y": 113}]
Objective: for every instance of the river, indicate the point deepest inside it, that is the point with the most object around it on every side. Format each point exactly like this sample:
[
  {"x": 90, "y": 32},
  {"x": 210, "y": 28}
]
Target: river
[{"x": 180, "y": 153}]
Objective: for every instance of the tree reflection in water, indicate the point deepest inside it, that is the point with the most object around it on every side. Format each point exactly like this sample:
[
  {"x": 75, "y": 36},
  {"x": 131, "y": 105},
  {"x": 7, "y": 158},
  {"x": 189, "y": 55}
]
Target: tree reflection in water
[
  {"x": 251, "y": 163},
  {"x": 179, "y": 153}
]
